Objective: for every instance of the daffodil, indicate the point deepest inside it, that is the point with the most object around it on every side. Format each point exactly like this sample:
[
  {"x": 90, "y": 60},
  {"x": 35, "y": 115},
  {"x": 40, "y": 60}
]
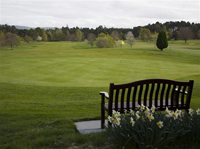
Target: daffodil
[
  {"x": 191, "y": 111},
  {"x": 118, "y": 114},
  {"x": 160, "y": 124},
  {"x": 198, "y": 111},
  {"x": 114, "y": 112},
  {"x": 150, "y": 117},
  {"x": 132, "y": 122},
  {"x": 117, "y": 121},
  {"x": 132, "y": 112},
  {"x": 137, "y": 116},
  {"x": 178, "y": 112},
  {"x": 110, "y": 119},
  {"x": 153, "y": 108},
  {"x": 167, "y": 110},
  {"x": 174, "y": 115},
  {"x": 168, "y": 113},
  {"x": 147, "y": 110},
  {"x": 138, "y": 112},
  {"x": 138, "y": 107},
  {"x": 142, "y": 107},
  {"x": 125, "y": 111}
]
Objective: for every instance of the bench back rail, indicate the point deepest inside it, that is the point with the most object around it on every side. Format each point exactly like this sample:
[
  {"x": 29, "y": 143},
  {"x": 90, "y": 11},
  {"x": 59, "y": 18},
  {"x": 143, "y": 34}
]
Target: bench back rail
[{"x": 161, "y": 93}]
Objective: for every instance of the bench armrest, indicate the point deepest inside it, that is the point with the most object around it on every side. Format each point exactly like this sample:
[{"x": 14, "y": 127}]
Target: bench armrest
[
  {"x": 104, "y": 94},
  {"x": 181, "y": 91}
]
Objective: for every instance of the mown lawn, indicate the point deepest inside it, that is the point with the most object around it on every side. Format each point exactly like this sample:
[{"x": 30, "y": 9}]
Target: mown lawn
[{"x": 46, "y": 87}]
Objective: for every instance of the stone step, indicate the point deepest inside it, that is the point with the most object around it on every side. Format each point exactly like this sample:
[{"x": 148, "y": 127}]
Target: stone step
[{"x": 86, "y": 127}]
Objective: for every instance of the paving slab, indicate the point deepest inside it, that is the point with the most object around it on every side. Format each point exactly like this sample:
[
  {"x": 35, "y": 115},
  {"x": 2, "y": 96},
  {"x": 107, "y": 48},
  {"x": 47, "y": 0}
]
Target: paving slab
[{"x": 86, "y": 127}]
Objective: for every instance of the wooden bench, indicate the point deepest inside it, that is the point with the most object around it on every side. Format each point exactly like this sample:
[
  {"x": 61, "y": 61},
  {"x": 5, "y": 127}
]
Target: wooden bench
[{"x": 161, "y": 93}]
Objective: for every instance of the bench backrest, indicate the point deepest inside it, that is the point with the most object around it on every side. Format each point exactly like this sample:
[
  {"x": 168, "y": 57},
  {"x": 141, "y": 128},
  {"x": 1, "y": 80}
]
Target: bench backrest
[{"x": 159, "y": 92}]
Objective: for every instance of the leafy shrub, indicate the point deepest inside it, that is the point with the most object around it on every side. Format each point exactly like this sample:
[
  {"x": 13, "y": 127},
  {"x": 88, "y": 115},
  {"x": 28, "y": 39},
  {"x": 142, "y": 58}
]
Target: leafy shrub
[
  {"x": 104, "y": 41},
  {"x": 149, "y": 129}
]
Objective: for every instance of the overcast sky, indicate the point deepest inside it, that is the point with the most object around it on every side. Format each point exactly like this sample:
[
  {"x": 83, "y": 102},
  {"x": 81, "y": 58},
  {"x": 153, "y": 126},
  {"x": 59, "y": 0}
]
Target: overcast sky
[{"x": 92, "y": 13}]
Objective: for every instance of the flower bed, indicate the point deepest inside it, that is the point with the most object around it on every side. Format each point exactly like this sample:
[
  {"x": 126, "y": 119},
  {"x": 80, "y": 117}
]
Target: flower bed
[{"x": 148, "y": 128}]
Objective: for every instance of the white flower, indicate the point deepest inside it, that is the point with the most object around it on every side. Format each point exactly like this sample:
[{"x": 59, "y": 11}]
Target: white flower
[
  {"x": 142, "y": 107},
  {"x": 198, "y": 111},
  {"x": 132, "y": 122},
  {"x": 138, "y": 112},
  {"x": 138, "y": 107},
  {"x": 118, "y": 114},
  {"x": 125, "y": 111},
  {"x": 174, "y": 115},
  {"x": 147, "y": 111},
  {"x": 191, "y": 111},
  {"x": 160, "y": 124},
  {"x": 150, "y": 117},
  {"x": 132, "y": 112},
  {"x": 178, "y": 112},
  {"x": 114, "y": 112},
  {"x": 153, "y": 108},
  {"x": 117, "y": 121},
  {"x": 137, "y": 116},
  {"x": 167, "y": 110},
  {"x": 168, "y": 113},
  {"x": 110, "y": 119}
]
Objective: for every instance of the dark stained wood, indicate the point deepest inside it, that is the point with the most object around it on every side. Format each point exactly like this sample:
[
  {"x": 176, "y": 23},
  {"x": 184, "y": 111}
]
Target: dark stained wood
[
  {"x": 116, "y": 99},
  {"x": 157, "y": 93},
  {"x": 161, "y": 93},
  {"x": 173, "y": 96},
  {"x": 189, "y": 94},
  {"x": 167, "y": 94},
  {"x": 151, "y": 94},
  {"x": 122, "y": 100},
  {"x": 182, "y": 96},
  {"x": 145, "y": 94},
  {"x": 110, "y": 107},
  {"x": 140, "y": 95},
  {"x": 177, "y": 95},
  {"x": 134, "y": 98},
  {"x": 128, "y": 98}
]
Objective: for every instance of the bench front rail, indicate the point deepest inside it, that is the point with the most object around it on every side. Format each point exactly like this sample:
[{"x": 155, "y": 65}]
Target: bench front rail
[{"x": 161, "y": 93}]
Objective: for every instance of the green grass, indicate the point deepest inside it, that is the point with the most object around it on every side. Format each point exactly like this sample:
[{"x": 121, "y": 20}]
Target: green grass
[{"x": 46, "y": 87}]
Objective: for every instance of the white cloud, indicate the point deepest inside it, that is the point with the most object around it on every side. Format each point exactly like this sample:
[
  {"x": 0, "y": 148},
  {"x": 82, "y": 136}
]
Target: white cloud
[{"x": 111, "y": 13}]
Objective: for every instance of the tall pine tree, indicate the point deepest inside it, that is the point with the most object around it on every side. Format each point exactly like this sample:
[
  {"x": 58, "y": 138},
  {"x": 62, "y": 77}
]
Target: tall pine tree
[{"x": 162, "y": 40}]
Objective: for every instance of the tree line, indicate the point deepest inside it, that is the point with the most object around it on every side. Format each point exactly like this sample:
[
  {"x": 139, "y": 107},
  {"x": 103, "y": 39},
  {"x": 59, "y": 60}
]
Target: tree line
[{"x": 102, "y": 36}]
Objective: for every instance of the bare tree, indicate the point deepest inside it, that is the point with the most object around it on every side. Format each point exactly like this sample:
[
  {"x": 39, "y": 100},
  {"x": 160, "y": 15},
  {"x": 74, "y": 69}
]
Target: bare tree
[
  {"x": 91, "y": 39},
  {"x": 130, "y": 38},
  {"x": 185, "y": 33},
  {"x": 115, "y": 35},
  {"x": 12, "y": 40}
]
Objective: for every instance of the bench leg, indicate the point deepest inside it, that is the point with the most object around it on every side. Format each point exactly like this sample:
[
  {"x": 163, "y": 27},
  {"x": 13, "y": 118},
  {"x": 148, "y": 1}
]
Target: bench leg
[
  {"x": 102, "y": 112},
  {"x": 102, "y": 116}
]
